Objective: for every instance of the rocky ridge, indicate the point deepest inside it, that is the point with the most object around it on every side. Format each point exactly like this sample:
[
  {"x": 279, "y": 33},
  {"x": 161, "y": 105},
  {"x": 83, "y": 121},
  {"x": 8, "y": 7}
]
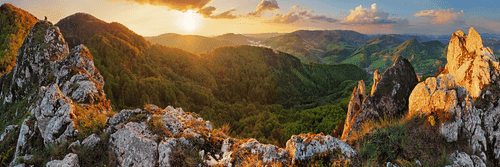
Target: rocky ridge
[
  {"x": 466, "y": 101},
  {"x": 388, "y": 97},
  {"x": 472, "y": 65},
  {"x": 61, "y": 87}
]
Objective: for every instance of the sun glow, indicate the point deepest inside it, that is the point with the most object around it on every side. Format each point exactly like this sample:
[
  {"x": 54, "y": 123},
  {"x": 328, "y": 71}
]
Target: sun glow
[{"x": 189, "y": 21}]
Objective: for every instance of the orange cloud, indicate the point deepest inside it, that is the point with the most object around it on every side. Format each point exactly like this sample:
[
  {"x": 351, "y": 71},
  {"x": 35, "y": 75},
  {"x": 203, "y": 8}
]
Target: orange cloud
[
  {"x": 208, "y": 13},
  {"x": 264, "y": 5},
  {"x": 180, "y": 5},
  {"x": 445, "y": 16}
]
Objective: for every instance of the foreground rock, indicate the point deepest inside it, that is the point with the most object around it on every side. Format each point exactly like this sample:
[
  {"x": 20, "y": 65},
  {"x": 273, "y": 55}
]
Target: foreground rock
[
  {"x": 472, "y": 65},
  {"x": 53, "y": 84},
  {"x": 70, "y": 160},
  {"x": 136, "y": 143},
  {"x": 452, "y": 105},
  {"x": 389, "y": 99}
]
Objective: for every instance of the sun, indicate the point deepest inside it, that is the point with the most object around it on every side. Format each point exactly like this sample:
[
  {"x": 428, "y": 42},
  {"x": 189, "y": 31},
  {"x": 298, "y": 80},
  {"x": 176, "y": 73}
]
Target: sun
[{"x": 189, "y": 21}]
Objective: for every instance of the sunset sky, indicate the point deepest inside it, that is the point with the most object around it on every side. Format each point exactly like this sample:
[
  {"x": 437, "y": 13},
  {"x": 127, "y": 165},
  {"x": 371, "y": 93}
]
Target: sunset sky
[{"x": 216, "y": 17}]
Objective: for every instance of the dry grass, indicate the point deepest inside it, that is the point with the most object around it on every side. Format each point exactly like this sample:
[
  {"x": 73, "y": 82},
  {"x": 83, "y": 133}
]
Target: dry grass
[
  {"x": 89, "y": 119},
  {"x": 403, "y": 141},
  {"x": 156, "y": 126}
]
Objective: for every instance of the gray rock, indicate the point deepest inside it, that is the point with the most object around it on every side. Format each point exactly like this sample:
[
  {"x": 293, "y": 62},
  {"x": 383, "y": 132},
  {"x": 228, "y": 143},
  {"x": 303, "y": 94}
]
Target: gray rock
[
  {"x": 390, "y": 99},
  {"x": 54, "y": 112},
  {"x": 91, "y": 141},
  {"x": 165, "y": 149},
  {"x": 462, "y": 159},
  {"x": 304, "y": 146},
  {"x": 7, "y": 130},
  {"x": 134, "y": 145},
  {"x": 23, "y": 148},
  {"x": 270, "y": 153},
  {"x": 70, "y": 160}
]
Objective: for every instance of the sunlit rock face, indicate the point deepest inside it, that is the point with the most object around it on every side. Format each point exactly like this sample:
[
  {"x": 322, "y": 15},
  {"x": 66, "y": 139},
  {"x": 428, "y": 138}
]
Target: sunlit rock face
[{"x": 472, "y": 65}]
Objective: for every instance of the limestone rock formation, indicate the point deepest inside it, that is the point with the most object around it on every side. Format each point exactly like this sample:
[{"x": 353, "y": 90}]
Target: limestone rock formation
[
  {"x": 472, "y": 65},
  {"x": 357, "y": 97},
  {"x": 376, "y": 80},
  {"x": 463, "y": 159},
  {"x": 134, "y": 145},
  {"x": 28, "y": 133},
  {"x": 70, "y": 160},
  {"x": 389, "y": 99},
  {"x": 452, "y": 105}
]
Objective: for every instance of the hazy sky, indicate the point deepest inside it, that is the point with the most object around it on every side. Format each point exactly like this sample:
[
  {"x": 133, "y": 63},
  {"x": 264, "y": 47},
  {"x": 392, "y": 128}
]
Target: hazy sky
[{"x": 215, "y": 17}]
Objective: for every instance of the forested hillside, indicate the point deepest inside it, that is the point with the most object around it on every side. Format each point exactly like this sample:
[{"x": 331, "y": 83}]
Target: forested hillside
[
  {"x": 313, "y": 46},
  {"x": 190, "y": 43},
  {"x": 15, "y": 25},
  {"x": 230, "y": 85}
]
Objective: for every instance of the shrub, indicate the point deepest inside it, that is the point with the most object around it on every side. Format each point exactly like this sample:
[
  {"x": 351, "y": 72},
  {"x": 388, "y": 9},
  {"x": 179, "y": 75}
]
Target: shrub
[
  {"x": 156, "y": 126},
  {"x": 89, "y": 120}
]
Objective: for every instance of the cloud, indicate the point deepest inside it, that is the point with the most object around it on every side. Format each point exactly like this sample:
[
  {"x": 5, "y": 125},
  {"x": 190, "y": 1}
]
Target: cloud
[
  {"x": 264, "y": 5},
  {"x": 180, "y": 5},
  {"x": 445, "y": 16},
  {"x": 288, "y": 18},
  {"x": 373, "y": 15},
  {"x": 208, "y": 13},
  {"x": 299, "y": 13}
]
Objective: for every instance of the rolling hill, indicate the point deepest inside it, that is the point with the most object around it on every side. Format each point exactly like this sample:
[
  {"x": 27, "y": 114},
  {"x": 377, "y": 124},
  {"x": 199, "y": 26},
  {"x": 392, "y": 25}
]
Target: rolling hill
[
  {"x": 238, "y": 39},
  {"x": 190, "y": 43},
  {"x": 312, "y": 46}
]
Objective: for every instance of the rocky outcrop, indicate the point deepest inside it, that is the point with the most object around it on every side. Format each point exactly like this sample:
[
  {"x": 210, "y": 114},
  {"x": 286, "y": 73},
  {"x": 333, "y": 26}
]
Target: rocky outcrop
[
  {"x": 70, "y": 160},
  {"x": 134, "y": 145},
  {"x": 389, "y": 99},
  {"x": 24, "y": 146},
  {"x": 357, "y": 97},
  {"x": 304, "y": 146},
  {"x": 452, "y": 105},
  {"x": 463, "y": 159},
  {"x": 376, "y": 80},
  {"x": 472, "y": 65}
]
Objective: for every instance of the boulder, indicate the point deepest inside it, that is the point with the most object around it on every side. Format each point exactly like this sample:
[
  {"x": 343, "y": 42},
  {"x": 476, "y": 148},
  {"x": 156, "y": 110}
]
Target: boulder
[
  {"x": 472, "y": 65},
  {"x": 269, "y": 153},
  {"x": 390, "y": 98},
  {"x": 91, "y": 141},
  {"x": 165, "y": 150},
  {"x": 134, "y": 145},
  {"x": 70, "y": 160},
  {"x": 304, "y": 146},
  {"x": 462, "y": 159}
]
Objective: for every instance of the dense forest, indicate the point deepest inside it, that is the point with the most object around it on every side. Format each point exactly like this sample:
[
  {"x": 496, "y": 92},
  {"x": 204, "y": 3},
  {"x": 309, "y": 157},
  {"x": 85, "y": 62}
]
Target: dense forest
[
  {"x": 15, "y": 25},
  {"x": 254, "y": 90}
]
